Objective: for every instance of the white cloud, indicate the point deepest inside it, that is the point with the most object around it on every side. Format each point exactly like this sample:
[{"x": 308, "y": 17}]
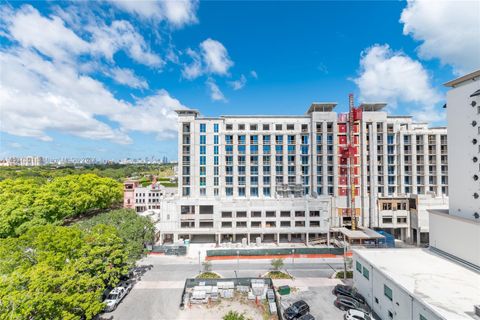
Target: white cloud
[
  {"x": 46, "y": 88},
  {"x": 121, "y": 35},
  {"x": 448, "y": 30},
  {"x": 37, "y": 96},
  {"x": 127, "y": 77},
  {"x": 177, "y": 12},
  {"x": 395, "y": 78},
  {"x": 51, "y": 37},
  {"x": 216, "y": 57},
  {"x": 254, "y": 74},
  {"x": 215, "y": 92},
  {"x": 238, "y": 84},
  {"x": 212, "y": 58},
  {"x": 194, "y": 69}
]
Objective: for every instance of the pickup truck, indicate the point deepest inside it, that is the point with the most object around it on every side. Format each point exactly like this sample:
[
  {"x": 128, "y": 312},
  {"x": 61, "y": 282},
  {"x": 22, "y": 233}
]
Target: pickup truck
[{"x": 114, "y": 298}]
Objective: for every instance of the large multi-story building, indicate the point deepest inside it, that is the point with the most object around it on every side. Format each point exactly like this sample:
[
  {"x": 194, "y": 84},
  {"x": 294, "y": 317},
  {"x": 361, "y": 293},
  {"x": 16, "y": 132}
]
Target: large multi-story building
[
  {"x": 283, "y": 176},
  {"x": 440, "y": 282}
]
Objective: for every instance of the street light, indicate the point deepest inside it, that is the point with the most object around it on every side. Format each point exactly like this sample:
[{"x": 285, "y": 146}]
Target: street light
[{"x": 238, "y": 261}]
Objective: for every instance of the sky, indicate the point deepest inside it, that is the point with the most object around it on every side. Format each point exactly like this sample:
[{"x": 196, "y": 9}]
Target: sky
[{"x": 103, "y": 79}]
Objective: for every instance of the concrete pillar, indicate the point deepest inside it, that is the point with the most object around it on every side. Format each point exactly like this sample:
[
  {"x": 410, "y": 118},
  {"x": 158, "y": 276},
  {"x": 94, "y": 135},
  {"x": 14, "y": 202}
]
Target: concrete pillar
[
  {"x": 278, "y": 238},
  {"x": 234, "y": 237},
  {"x": 175, "y": 237},
  {"x": 248, "y": 239},
  {"x": 306, "y": 238},
  {"x": 289, "y": 237},
  {"x": 418, "y": 237}
]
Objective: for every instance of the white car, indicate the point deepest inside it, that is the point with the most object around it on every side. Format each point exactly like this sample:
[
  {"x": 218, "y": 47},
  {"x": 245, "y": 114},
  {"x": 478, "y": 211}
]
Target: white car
[
  {"x": 114, "y": 298},
  {"x": 354, "y": 314}
]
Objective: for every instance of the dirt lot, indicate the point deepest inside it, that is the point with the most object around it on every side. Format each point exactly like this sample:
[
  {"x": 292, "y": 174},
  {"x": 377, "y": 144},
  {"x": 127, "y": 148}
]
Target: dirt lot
[{"x": 216, "y": 310}]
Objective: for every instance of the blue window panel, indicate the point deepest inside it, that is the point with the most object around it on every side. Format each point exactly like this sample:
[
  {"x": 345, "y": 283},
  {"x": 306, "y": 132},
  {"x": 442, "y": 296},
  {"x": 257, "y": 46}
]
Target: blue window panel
[
  {"x": 266, "y": 149},
  {"x": 215, "y": 149},
  {"x": 241, "y": 149},
  {"x": 229, "y": 191},
  {"x": 203, "y": 127},
  {"x": 203, "y": 150},
  {"x": 203, "y": 160},
  {"x": 266, "y": 192},
  {"x": 254, "y": 149},
  {"x": 215, "y": 160},
  {"x": 228, "y": 149},
  {"x": 215, "y": 127},
  {"x": 304, "y": 149},
  {"x": 254, "y": 139},
  {"x": 203, "y": 139},
  {"x": 319, "y": 138},
  {"x": 266, "y": 139},
  {"x": 279, "y": 149},
  {"x": 254, "y": 192},
  {"x": 215, "y": 139}
]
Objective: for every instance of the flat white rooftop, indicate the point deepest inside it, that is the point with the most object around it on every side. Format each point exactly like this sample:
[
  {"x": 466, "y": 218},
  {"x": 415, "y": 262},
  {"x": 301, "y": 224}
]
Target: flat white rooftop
[{"x": 445, "y": 287}]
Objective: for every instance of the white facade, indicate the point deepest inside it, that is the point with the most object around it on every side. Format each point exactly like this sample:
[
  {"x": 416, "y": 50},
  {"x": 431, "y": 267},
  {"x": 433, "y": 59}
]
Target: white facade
[
  {"x": 239, "y": 160},
  {"x": 415, "y": 284},
  {"x": 463, "y": 111}
]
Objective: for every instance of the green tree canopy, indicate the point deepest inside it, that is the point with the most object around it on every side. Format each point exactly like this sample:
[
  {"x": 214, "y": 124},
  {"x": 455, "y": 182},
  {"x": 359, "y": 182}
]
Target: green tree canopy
[
  {"x": 27, "y": 202},
  {"x": 135, "y": 230},
  {"x": 55, "y": 272}
]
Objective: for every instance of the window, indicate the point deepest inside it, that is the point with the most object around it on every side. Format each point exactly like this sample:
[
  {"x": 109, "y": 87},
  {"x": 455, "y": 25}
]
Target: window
[
  {"x": 215, "y": 139},
  {"x": 388, "y": 292},
  {"x": 390, "y": 314},
  {"x": 203, "y": 150},
  {"x": 253, "y": 127},
  {"x": 203, "y": 139},
  {"x": 215, "y": 149},
  {"x": 278, "y": 127},
  {"x": 229, "y": 127},
  {"x": 241, "y": 127},
  {"x": 203, "y": 160},
  {"x": 266, "y": 127},
  {"x": 366, "y": 273},
  {"x": 215, "y": 127},
  {"x": 422, "y": 317},
  {"x": 358, "y": 266},
  {"x": 290, "y": 126},
  {"x": 203, "y": 127}
]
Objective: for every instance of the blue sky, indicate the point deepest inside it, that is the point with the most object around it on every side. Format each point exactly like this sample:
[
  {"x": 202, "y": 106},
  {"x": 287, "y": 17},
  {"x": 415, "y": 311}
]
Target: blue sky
[{"x": 102, "y": 79}]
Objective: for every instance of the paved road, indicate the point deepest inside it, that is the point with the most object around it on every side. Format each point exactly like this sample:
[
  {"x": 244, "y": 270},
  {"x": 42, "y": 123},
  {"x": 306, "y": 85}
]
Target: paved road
[{"x": 157, "y": 295}]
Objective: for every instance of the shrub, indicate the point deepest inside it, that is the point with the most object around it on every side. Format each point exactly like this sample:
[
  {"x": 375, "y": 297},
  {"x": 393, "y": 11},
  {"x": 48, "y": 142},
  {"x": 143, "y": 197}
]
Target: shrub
[{"x": 277, "y": 264}]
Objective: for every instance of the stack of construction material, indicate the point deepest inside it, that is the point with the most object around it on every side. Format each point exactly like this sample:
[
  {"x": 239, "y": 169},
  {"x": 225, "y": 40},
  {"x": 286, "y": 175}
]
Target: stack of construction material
[
  {"x": 270, "y": 295},
  {"x": 273, "y": 307},
  {"x": 214, "y": 294},
  {"x": 259, "y": 288},
  {"x": 243, "y": 288},
  {"x": 199, "y": 296},
  {"x": 225, "y": 289}
]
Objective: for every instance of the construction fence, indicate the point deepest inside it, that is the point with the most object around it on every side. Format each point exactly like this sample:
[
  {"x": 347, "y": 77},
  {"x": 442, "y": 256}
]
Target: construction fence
[{"x": 273, "y": 251}]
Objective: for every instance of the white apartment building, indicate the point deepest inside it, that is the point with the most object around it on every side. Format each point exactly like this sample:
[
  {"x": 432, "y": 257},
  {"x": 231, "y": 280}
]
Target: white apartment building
[
  {"x": 276, "y": 172},
  {"x": 441, "y": 282},
  {"x": 145, "y": 198}
]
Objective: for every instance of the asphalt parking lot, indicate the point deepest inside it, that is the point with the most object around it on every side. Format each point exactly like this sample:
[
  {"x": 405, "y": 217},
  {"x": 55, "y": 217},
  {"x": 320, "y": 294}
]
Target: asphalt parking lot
[
  {"x": 157, "y": 294},
  {"x": 319, "y": 298}
]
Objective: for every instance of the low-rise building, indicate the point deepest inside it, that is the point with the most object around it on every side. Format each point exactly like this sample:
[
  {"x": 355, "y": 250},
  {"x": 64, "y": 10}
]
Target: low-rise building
[{"x": 415, "y": 284}]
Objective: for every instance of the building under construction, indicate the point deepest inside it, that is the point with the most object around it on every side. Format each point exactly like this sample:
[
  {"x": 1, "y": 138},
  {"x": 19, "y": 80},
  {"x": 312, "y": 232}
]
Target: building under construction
[{"x": 292, "y": 178}]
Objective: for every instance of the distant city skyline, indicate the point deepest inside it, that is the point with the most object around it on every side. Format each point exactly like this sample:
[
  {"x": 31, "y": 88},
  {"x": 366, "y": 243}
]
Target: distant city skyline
[{"x": 104, "y": 78}]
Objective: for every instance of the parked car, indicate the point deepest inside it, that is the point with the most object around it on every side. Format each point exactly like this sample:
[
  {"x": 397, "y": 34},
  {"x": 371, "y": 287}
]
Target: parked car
[
  {"x": 296, "y": 310},
  {"x": 349, "y": 292},
  {"x": 114, "y": 298},
  {"x": 127, "y": 285},
  {"x": 347, "y": 303},
  {"x": 354, "y": 314},
  {"x": 307, "y": 316}
]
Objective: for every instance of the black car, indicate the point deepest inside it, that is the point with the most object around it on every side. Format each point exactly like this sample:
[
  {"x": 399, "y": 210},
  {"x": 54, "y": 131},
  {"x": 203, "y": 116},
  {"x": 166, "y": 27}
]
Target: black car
[
  {"x": 296, "y": 310},
  {"x": 307, "y": 316},
  {"x": 346, "y": 303},
  {"x": 349, "y": 292}
]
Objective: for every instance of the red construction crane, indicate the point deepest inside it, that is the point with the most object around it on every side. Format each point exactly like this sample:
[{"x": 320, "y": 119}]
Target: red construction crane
[{"x": 349, "y": 153}]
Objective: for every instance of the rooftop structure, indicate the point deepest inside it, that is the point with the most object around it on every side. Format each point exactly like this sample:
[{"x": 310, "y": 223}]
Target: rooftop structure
[{"x": 441, "y": 288}]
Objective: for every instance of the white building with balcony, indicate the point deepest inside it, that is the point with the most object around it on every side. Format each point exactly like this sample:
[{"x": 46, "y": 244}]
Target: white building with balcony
[{"x": 282, "y": 177}]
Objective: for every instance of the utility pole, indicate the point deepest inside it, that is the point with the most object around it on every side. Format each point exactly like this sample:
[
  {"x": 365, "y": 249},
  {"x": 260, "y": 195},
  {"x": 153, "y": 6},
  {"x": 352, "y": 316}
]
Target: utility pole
[{"x": 199, "y": 264}]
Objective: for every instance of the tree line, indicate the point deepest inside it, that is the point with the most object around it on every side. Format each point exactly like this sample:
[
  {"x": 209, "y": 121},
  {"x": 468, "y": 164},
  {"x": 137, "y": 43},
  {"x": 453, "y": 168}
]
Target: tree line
[{"x": 51, "y": 270}]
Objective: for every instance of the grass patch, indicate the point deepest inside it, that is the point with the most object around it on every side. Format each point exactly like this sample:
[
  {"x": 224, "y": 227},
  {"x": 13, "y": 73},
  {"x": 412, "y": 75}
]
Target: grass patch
[
  {"x": 339, "y": 275},
  {"x": 278, "y": 275},
  {"x": 208, "y": 275}
]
